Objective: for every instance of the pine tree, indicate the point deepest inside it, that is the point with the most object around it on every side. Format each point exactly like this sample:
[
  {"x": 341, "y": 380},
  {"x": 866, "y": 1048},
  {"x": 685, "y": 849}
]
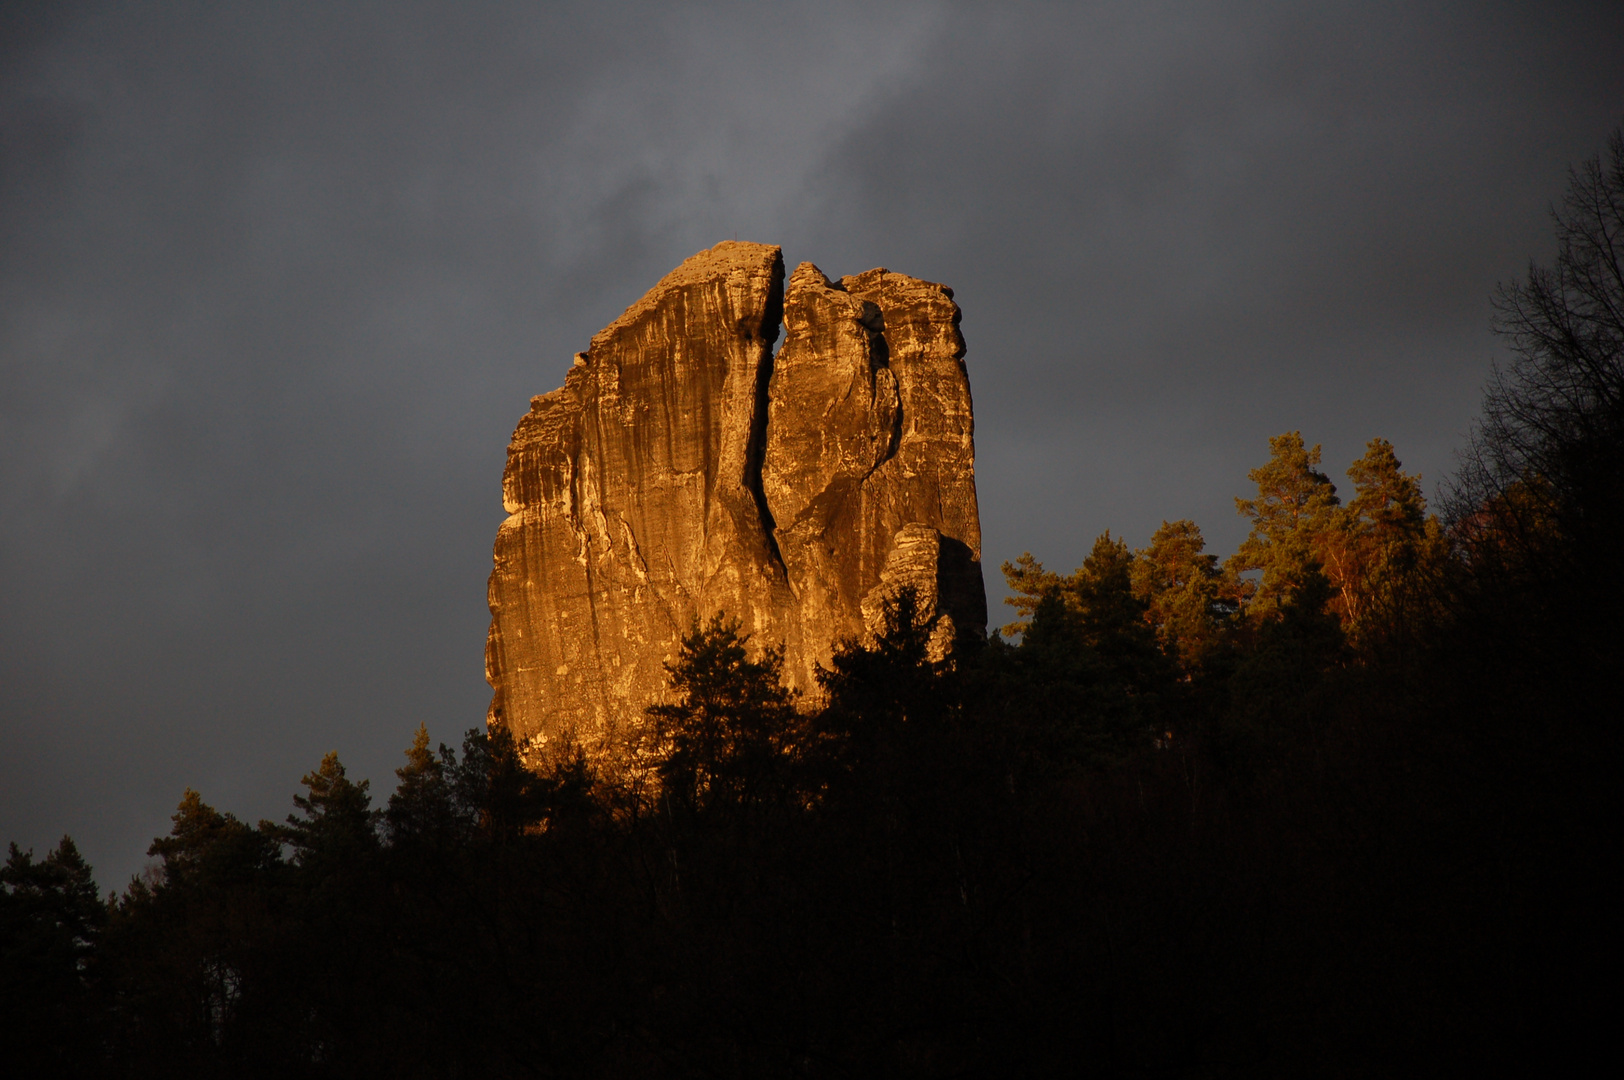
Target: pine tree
[
  {"x": 50, "y": 920},
  {"x": 206, "y": 848},
  {"x": 422, "y": 809},
  {"x": 733, "y": 723},
  {"x": 1102, "y": 612},
  {"x": 881, "y": 693},
  {"x": 1294, "y": 511},
  {"x": 1186, "y": 596},
  {"x": 338, "y": 823},
  {"x": 1112, "y": 620},
  {"x": 1383, "y": 539},
  {"x": 1030, "y": 584}
]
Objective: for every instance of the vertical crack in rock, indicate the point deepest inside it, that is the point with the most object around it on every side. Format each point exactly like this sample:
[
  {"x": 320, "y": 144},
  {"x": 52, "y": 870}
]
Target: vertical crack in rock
[
  {"x": 772, "y": 324},
  {"x": 798, "y": 492}
]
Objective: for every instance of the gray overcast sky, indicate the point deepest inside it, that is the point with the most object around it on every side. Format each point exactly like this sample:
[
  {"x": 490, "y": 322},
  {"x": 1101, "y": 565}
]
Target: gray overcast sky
[{"x": 276, "y": 282}]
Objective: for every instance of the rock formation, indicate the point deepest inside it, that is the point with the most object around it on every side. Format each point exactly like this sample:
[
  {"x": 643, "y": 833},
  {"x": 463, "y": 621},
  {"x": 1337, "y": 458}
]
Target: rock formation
[{"x": 683, "y": 470}]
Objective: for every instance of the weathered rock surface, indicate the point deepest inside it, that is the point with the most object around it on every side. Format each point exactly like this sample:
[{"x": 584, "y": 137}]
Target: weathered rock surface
[{"x": 682, "y": 470}]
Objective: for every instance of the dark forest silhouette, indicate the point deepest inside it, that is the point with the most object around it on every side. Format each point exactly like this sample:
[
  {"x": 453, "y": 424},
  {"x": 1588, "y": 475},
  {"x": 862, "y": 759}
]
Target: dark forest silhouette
[{"x": 1339, "y": 804}]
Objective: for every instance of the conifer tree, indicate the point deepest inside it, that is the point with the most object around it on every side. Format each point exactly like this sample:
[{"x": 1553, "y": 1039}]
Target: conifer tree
[
  {"x": 1029, "y": 583},
  {"x": 338, "y": 823},
  {"x": 1294, "y": 511},
  {"x": 1112, "y": 619},
  {"x": 421, "y": 808},
  {"x": 883, "y": 690},
  {"x": 1383, "y": 539},
  {"x": 1103, "y": 611},
  {"x": 1100, "y": 591},
  {"x": 50, "y": 920},
  {"x": 1186, "y": 596},
  {"x": 205, "y": 847},
  {"x": 732, "y": 724}
]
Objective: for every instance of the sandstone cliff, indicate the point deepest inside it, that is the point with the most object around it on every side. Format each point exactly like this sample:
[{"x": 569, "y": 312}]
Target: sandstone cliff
[{"x": 682, "y": 470}]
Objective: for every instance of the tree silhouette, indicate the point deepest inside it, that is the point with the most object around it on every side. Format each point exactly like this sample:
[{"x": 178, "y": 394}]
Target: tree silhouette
[
  {"x": 50, "y": 921},
  {"x": 337, "y": 825},
  {"x": 733, "y": 724},
  {"x": 1542, "y": 484}
]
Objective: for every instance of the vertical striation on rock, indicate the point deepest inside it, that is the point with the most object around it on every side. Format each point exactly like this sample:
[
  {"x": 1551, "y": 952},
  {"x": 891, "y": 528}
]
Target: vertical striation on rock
[{"x": 681, "y": 470}]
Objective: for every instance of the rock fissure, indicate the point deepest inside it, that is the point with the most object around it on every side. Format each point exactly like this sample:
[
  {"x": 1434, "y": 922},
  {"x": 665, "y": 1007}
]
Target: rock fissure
[
  {"x": 757, "y": 450},
  {"x": 792, "y": 454}
]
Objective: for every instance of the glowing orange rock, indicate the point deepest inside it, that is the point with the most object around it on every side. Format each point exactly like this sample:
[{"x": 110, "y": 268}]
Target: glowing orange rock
[{"x": 681, "y": 470}]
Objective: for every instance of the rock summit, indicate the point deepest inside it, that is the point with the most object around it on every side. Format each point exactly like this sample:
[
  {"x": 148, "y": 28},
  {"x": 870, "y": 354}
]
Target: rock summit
[{"x": 684, "y": 469}]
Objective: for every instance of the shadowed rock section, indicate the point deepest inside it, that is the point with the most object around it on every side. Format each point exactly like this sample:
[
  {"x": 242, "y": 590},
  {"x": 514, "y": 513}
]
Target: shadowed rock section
[{"x": 681, "y": 470}]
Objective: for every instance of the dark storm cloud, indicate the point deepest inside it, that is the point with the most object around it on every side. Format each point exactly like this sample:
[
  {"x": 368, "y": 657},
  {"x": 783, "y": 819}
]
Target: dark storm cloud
[
  {"x": 1177, "y": 231},
  {"x": 276, "y": 283}
]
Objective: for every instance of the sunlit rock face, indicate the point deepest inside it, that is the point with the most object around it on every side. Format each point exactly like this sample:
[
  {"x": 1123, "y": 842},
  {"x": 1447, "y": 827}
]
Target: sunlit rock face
[{"x": 682, "y": 470}]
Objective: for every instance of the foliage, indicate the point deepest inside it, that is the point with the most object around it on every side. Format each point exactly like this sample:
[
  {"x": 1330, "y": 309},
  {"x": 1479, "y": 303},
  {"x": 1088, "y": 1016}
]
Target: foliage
[
  {"x": 733, "y": 723},
  {"x": 1291, "y": 517},
  {"x": 337, "y": 826},
  {"x": 50, "y": 921},
  {"x": 1386, "y": 550},
  {"x": 1187, "y": 598}
]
